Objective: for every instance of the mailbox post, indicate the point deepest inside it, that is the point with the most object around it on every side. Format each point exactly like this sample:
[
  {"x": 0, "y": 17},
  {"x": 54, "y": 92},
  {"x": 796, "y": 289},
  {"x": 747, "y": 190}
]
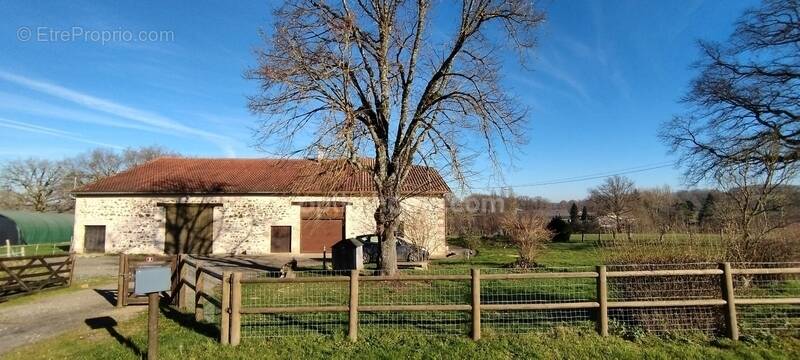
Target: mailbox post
[{"x": 150, "y": 281}]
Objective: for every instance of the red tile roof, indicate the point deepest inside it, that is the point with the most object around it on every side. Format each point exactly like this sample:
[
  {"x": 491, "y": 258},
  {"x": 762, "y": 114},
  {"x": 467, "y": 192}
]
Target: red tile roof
[{"x": 264, "y": 176}]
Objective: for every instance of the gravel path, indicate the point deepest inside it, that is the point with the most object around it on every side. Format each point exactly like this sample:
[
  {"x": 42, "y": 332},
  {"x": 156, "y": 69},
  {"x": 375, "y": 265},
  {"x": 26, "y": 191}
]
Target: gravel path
[{"x": 50, "y": 316}]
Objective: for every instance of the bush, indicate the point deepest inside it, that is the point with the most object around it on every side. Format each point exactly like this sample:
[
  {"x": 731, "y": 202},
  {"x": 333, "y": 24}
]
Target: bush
[
  {"x": 529, "y": 233},
  {"x": 560, "y": 229}
]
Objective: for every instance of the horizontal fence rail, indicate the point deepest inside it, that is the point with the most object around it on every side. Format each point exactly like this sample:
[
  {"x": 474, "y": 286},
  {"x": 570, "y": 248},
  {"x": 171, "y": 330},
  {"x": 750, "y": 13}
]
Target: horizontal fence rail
[
  {"x": 615, "y": 299},
  {"x": 21, "y": 275}
]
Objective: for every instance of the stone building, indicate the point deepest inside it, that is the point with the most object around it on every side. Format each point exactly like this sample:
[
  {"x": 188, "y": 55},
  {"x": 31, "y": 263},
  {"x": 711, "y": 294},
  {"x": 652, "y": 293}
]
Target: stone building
[{"x": 247, "y": 206}]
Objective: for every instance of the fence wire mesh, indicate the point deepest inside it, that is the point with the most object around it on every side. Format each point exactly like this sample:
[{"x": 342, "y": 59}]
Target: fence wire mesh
[
  {"x": 262, "y": 295},
  {"x": 627, "y": 321},
  {"x": 211, "y": 302},
  {"x": 665, "y": 319},
  {"x": 769, "y": 319},
  {"x": 537, "y": 291}
]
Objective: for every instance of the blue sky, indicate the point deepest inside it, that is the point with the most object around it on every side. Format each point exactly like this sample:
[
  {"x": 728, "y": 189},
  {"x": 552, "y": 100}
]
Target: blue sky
[{"x": 605, "y": 75}]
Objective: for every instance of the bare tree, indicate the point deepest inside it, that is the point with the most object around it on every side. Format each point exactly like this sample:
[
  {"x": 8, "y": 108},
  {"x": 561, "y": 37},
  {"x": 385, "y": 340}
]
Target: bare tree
[
  {"x": 616, "y": 198},
  {"x": 758, "y": 195},
  {"x": 656, "y": 209},
  {"x": 745, "y": 97},
  {"x": 37, "y": 183},
  {"x": 102, "y": 162},
  {"x": 371, "y": 77}
]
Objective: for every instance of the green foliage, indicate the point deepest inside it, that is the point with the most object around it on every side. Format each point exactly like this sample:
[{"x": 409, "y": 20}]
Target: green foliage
[
  {"x": 560, "y": 228},
  {"x": 707, "y": 211},
  {"x": 573, "y": 214}
]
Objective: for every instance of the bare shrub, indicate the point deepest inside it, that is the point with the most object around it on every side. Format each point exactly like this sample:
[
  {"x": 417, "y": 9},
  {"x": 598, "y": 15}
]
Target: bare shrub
[{"x": 529, "y": 233}]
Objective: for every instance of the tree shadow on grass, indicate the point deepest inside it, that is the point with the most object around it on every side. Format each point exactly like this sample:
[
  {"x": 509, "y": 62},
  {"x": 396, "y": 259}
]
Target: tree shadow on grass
[
  {"x": 108, "y": 323},
  {"x": 187, "y": 321}
]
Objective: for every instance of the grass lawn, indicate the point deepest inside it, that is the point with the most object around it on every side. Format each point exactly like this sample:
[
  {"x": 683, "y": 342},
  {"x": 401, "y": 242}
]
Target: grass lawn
[
  {"x": 179, "y": 340},
  {"x": 37, "y": 249}
]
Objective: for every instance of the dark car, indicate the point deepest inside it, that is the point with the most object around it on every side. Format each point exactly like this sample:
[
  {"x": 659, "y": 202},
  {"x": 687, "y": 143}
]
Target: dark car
[{"x": 406, "y": 250}]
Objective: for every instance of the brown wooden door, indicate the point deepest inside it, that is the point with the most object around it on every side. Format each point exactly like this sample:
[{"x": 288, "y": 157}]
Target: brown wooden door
[
  {"x": 320, "y": 228},
  {"x": 189, "y": 229},
  {"x": 94, "y": 238},
  {"x": 281, "y": 239}
]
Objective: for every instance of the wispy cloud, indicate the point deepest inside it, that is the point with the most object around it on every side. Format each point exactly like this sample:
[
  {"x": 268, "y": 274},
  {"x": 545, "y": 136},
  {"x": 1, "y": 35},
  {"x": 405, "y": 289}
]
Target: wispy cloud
[
  {"x": 119, "y": 110},
  {"x": 44, "y": 130},
  {"x": 30, "y": 106},
  {"x": 549, "y": 68}
]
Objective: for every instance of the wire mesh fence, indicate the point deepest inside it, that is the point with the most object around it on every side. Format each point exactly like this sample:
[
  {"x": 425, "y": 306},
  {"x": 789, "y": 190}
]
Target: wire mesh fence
[
  {"x": 287, "y": 295},
  {"x": 768, "y": 319},
  {"x": 641, "y": 299},
  {"x": 631, "y": 321},
  {"x": 537, "y": 291}
]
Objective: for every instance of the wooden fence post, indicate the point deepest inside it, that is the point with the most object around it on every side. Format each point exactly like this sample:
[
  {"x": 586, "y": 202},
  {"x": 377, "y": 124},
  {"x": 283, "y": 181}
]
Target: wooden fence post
[
  {"x": 476, "y": 304},
  {"x": 121, "y": 281},
  {"x": 71, "y": 269},
  {"x": 602, "y": 300},
  {"x": 199, "y": 283},
  {"x": 353, "y": 328},
  {"x": 236, "y": 306},
  {"x": 225, "y": 314},
  {"x": 730, "y": 301},
  {"x": 179, "y": 270}
]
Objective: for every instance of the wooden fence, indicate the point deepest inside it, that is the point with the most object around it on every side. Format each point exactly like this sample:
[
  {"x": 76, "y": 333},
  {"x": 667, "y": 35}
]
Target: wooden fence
[
  {"x": 24, "y": 275},
  {"x": 202, "y": 286},
  {"x": 233, "y": 310}
]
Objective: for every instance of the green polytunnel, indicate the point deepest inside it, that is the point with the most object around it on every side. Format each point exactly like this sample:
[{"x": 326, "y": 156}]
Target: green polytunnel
[{"x": 29, "y": 228}]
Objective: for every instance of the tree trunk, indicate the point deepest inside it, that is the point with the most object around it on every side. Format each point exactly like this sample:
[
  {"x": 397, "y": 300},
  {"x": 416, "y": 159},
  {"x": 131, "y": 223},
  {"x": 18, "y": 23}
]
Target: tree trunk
[{"x": 386, "y": 216}]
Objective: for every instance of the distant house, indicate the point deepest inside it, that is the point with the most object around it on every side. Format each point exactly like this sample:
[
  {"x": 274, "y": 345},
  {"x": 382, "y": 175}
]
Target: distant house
[
  {"x": 252, "y": 206},
  {"x": 609, "y": 221}
]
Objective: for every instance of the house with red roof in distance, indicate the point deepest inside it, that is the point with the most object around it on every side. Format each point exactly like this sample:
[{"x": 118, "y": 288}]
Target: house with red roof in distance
[{"x": 248, "y": 206}]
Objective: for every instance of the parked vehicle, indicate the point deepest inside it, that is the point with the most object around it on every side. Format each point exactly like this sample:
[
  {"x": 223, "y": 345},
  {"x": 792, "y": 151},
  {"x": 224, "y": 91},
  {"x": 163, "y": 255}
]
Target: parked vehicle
[{"x": 406, "y": 250}]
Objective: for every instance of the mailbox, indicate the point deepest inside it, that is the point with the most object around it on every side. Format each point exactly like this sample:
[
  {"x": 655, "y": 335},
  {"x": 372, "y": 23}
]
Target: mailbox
[
  {"x": 348, "y": 254},
  {"x": 152, "y": 279}
]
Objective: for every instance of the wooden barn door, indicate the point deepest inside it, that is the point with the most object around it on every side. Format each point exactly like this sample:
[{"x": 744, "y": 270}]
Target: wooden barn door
[
  {"x": 189, "y": 229},
  {"x": 281, "y": 239},
  {"x": 94, "y": 238},
  {"x": 320, "y": 227}
]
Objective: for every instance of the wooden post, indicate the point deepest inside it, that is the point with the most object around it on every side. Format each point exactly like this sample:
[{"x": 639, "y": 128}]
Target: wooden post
[
  {"x": 71, "y": 269},
  {"x": 730, "y": 301},
  {"x": 353, "y": 328},
  {"x": 236, "y": 306},
  {"x": 225, "y": 314},
  {"x": 122, "y": 286},
  {"x": 476, "y": 304},
  {"x": 152, "y": 326},
  {"x": 199, "y": 315},
  {"x": 602, "y": 299},
  {"x": 179, "y": 270}
]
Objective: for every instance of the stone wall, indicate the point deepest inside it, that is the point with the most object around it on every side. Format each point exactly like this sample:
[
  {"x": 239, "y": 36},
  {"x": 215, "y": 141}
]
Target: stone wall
[{"x": 135, "y": 224}]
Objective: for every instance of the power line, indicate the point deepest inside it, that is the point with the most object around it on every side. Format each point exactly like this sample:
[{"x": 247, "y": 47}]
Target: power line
[{"x": 625, "y": 171}]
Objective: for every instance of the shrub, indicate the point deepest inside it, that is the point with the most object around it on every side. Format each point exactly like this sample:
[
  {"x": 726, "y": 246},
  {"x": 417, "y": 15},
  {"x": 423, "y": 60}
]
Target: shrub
[
  {"x": 529, "y": 233},
  {"x": 560, "y": 229}
]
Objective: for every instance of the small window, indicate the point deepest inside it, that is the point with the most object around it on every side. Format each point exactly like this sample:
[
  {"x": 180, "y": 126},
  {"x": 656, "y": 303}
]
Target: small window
[{"x": 281, "y": 239}]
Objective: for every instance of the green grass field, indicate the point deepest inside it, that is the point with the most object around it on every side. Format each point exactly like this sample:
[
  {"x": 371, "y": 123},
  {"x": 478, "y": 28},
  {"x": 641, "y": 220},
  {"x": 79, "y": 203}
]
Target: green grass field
[
  {"x": 37, "y": 249},
  {"x": 182, "y": 338}
]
